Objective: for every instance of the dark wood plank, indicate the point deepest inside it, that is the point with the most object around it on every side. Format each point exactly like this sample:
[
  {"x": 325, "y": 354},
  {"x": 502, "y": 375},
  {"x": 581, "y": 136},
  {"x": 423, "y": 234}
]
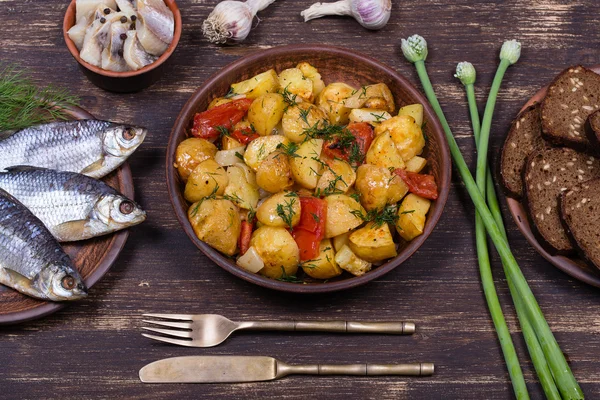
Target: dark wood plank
[{"x": 93, "y": 349}]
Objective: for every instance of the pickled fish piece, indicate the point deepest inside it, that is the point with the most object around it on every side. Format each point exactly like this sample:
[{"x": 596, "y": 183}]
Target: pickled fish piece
[
  {"x": 97, "y": 37},
  {"x": 86, "y": 8},
  {"x": 134, "y": 54},
  {"x": 77, "y": 31},
  {"x": 151, "y": 43},
  {"x": 112, "y": 56},
  {"x": 128, "y": 7},
  {"x": 158, "y": 18}
]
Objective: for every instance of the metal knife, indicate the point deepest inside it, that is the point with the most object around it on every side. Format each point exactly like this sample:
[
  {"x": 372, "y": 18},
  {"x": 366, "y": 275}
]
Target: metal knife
[{"x": 231, "y": 369}]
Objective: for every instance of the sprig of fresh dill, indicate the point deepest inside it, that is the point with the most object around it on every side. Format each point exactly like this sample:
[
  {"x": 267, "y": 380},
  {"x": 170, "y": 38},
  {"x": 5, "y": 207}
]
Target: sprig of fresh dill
[{"x": 23, "y": 103}]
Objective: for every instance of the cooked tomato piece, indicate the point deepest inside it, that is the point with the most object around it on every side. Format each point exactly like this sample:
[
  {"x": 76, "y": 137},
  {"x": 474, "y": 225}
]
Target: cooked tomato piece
[
  {"x": 245, "y": 236},
  {"x": 207, "y": 124},
  {"x": 311, "y": 229},
  {"x": 351, "y": 146},
  {"x": 420, "y": 184},
  {"x": 244, "y": 135}
]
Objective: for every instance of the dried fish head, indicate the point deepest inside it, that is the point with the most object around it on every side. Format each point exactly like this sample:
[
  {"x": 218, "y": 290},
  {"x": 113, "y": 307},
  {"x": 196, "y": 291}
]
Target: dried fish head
[
  {"x": 122, "y": 140},
  {"x": 114, "y": 212},
  {"x": 60, "y": 282}
]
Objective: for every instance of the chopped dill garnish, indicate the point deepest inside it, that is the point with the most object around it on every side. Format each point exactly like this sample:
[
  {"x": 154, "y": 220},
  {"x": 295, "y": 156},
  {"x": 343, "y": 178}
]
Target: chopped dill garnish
[
  {"x": 239, "y": 155},
  {"x": 286, "y": 211},
  {"x": 288, "y": 278},
  {"x": 304, "y": 115},
  {"x": 223, "y": 131},
  {"x": 230, "y": 94},
  {"x": 212, "y": 195},
  {"x": 289, "y": 149},
  {"x": 289, "y": 97},
  {"x": 315, "y": 217},
  {"x": 407, "y": 212},
  {"x": 379, "y": 118},
  {"x": 378, "y": 218}
]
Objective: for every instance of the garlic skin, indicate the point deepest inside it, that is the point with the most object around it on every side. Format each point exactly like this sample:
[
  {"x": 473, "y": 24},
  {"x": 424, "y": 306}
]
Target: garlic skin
[
  {"x": 231, "y": 21},
  {"x": 371, "y": 14}
]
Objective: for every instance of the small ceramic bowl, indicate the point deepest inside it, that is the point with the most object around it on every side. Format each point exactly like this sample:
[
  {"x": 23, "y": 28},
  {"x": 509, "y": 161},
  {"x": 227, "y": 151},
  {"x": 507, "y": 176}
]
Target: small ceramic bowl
[
  {"x": 334, "y": 65},
  {"x": 123, "y": 82}
]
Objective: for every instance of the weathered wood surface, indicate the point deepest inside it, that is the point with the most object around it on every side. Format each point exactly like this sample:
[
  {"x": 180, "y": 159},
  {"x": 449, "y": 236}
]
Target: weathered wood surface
[{"x": 93, "y": 349}]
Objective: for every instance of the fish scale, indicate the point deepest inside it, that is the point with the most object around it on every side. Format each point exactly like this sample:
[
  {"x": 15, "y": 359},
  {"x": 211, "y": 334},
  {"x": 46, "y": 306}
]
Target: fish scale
[{"x": 66, "y": 146}]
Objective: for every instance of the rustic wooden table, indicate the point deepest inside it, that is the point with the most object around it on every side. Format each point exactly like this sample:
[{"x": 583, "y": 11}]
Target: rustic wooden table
[{"x": 93, "y": 349}]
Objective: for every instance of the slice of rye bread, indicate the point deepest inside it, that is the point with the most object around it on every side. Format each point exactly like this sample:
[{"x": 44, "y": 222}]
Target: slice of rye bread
[
  {"x": 571, "y": 97},
  {"x": 579, "y": 212},
  {"x": 547, "y": 174},
  {"x": 524, "y": 137},
  {"x": 592, "y": 128}
]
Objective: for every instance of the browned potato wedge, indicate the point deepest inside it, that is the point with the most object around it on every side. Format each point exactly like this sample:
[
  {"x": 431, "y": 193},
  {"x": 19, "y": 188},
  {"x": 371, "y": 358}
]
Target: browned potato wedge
[
  {"x": 242, "y": 188},
  {"x": 267, "y": 82},
  {"x": 306, "y": 165},
  {"x": 415, "y": 111},
  {"x": 296, "y": 119},
  {"x": 324, "y": 266},
  {"x": 372, "y": 96},
  {"x": 384, "y": 153},
  {"x": 341, "y": 215},
  {"x": 216, "y": 222},
  {"x": 416, "y": 164},
  {"x": 280, "y": 210},
  {"x": 337, "y": 177},
  {"x": 293, "y": 81},
  {"x": 378, "y": 187},
  {"x": 274, "y": 173},
  {"x": 405, "y": 133},
  {"x": 373, "y": 243},
  {"x": 411, "y": 216},
  {"x": 190, "y": 153},
  {"x": 370, "y": 115},
  {"x": 278, "y": 250},
  {"x": 206, "y": 179},
  {"x": 332, "y": 100},
  {"x": 313, "y": 74},
  {"x": 265, "y": 113},
  {"x": 350, "y": 262},
  {"x": 258, "y": 149}
]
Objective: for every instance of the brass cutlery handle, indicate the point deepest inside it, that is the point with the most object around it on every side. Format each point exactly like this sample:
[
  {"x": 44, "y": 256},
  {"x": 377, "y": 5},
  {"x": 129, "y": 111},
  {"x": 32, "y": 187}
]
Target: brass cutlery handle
[
  {"x": 392, "y": 327},
  {"x": 414, "y": 369}
]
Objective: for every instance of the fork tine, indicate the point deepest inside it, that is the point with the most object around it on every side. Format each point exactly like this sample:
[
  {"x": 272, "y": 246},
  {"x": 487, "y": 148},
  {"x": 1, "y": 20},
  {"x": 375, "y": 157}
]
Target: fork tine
[
  {"x": 181, "y": 334},
  {"x": 179, "y": 342},
  {"x": 181, "y": 325},
  {"x": 187, "y": 317}
]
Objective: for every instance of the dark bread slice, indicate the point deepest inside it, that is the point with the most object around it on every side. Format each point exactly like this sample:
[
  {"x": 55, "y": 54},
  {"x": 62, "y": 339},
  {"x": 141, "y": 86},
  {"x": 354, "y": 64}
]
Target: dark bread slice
[
  {"x": 524, "y": 137},
  {"x": 592, "y": 129},
  {"x": 547, "y": 174},
  {"x": 571, "y": 97},
  {"x": 580, "y": 213}
]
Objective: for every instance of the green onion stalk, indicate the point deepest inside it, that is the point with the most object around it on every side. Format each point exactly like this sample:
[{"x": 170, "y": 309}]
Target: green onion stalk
[
  {"x": 415, "y": 50},
  {"x": 465, "y": 72}
]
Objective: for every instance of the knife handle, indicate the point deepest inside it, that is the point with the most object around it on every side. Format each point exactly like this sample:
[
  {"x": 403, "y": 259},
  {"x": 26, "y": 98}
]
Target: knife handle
[
  {"x": 391, "y": 327},
  {"x": 414, "y": 369}
]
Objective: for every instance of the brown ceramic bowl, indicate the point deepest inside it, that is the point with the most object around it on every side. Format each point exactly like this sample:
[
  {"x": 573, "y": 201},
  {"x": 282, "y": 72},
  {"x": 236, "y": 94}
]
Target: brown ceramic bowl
[
  {"x": 122, "y": 82},
  {"x": 334, "y": 64}
]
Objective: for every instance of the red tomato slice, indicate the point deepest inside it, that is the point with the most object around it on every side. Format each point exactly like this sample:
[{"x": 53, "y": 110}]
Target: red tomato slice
[
  {"x": 363, "y": 137},
  {"x": 311, "y": 229},
  {"x": 225, "y": 116},
  {"x": 244, "y": 239},
  {"x": 420, "y": 184},
  {"x": 245, "y": 135}
]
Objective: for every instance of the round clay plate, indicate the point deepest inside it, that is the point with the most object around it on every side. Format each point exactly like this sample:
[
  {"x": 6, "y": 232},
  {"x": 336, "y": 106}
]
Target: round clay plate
[
  {"x": 575, "y": 267},
  {"x": 93, "y": 257},
  {"x": 334, "y": 65}
]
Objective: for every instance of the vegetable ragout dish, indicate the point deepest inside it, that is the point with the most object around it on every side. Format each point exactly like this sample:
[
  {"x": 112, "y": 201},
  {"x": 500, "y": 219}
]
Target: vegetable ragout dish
[{"x": 285, "y": 173}]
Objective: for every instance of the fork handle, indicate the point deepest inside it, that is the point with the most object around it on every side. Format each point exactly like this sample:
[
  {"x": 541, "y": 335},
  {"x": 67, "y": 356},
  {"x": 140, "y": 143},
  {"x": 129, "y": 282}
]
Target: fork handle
[
  {"x": 391, "y": 327},
  {"x": 414, "y": 369}
]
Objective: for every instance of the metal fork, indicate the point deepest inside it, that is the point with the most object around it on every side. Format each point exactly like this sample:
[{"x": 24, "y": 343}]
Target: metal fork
[{"x": 207, "y": 330}]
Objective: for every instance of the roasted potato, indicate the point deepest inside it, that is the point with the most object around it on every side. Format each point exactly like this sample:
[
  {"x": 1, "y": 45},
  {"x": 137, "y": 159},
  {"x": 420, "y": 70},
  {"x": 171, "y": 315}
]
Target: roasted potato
[
  {"x": 306, "y": 165},
  {"x": 265, "y": 113},
  {"x": 258, "y": 149},
  {"x": 350, "y": 262},
  {"x": 190, "y": 153},
  {"x": 405, "y": 133},
  {"x": 342, "y": 215},
  {"x": 242, "y": 188},
  {"x": 324, "y": 265},
  {"x": 332, "y": 100},
  {"x": 372, "y": 96},
  {"x": 280, "y": 210},
  {"x": 228, "y": 143},
  {"x": 384, "y": 153},
  {"x": 416, "y": 164},
  {"x": 415, "y": 111},
  {"x": 216, "y": 222},
  {"x": 337, "y": 177},
  {"x": 278, "y": 250},
  {"x": 373, "y": 243},
  {"x": 206, "y": 179},
  {"x": 378, "y": 187},
  {"x": 296, "y": 119},
  {"x": 293, "y": 81},
  {"x": 274, "y": 173},
  {"x": 411, "y": 216},
  {"x": 267, "y": 82},
  {"x": 218, "y": 101},
  {"x": 341, "y": 240},
  {"x": 372, "y": 116},
  {"x": 312, "y": 73}
]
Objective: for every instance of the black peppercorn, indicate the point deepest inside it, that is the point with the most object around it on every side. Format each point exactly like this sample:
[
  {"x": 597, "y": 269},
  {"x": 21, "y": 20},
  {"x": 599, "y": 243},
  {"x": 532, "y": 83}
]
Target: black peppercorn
[
  {"x": 133, "y": 17},
  {"x": 123, "y": 36},
  {"x": 107, "y": 11},
  {"x": 120, "y": 52},
  {"x": 123, "y": 19},
  {"x": 132, "y": 26},
  {"x": 102, "y": 20}
]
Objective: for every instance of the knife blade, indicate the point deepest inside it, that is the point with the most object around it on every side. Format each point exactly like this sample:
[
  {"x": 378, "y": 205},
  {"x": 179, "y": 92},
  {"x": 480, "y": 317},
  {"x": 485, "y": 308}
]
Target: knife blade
[{"x": 233, "y": 369}]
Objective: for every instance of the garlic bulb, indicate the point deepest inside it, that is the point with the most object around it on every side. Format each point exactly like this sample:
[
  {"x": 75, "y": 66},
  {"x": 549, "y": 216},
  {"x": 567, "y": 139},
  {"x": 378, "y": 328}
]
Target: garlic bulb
[
  {"x": 231, "y": 21},
  {"x": 372, "y": 14}
]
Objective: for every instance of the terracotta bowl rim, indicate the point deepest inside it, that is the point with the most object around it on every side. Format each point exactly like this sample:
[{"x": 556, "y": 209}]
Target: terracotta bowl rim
[
  {"x": 204, "y": 90},
  {"x": 127, "y": 74}
]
